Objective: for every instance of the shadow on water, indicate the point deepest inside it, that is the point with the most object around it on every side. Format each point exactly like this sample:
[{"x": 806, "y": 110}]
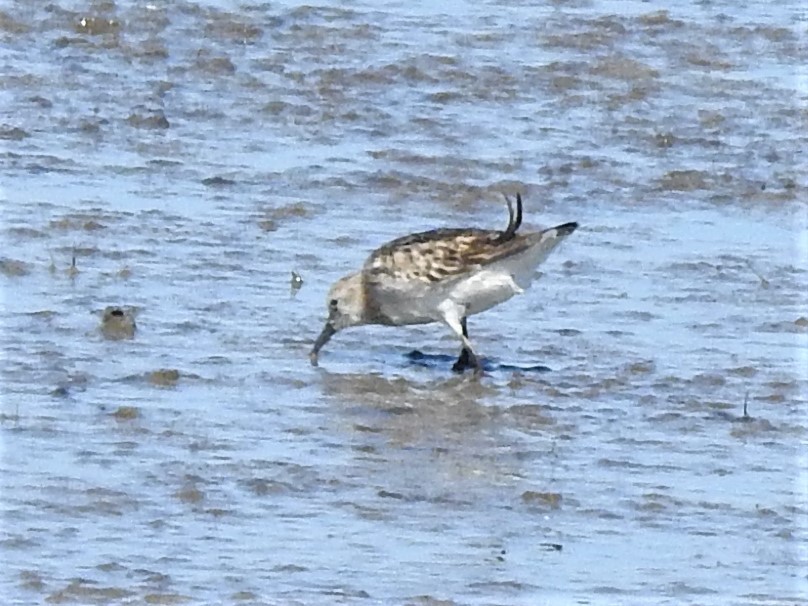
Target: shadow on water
[
  {"x": 438, "y": 441},
  {"x": 445, "y": 361},
  {"x": 401, "y": 395}
]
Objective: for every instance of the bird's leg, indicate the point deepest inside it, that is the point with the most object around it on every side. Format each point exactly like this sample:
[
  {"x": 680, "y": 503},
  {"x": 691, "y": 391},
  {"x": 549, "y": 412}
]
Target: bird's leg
[
  {"x": 452, "y": 316},
  {"x": 464, "y": 360}
]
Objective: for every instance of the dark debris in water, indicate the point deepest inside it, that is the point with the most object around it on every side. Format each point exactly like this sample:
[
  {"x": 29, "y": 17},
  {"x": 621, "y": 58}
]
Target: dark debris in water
[
  {"x": 296, "y": 283},
  {"x": 218, "y": 181}
]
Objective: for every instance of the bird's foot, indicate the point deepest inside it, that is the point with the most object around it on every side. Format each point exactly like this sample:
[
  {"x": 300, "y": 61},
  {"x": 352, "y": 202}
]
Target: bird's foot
[
  {"x": 468, "y": 359},
  {"x": 463, "y": 361}
]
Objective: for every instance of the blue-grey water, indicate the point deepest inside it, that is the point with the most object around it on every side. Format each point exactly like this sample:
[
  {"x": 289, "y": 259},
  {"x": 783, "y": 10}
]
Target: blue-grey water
[{"x": 179, "y": 160}]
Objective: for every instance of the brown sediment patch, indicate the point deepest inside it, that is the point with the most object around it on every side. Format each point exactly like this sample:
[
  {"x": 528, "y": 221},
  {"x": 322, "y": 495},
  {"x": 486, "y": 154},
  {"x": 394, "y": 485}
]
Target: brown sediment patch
[
  {"x": 709, "y": 58},
  {"x": 65, "y": 41},
  {"x": 118, "y": 323},
  {"x": 67, "y": 223},
  {"x": 264, "y": 486},
  {"x": 775, "y": 398},
  {"x": 13, "y": 268},
  {"x": 82, "y": 221},
  {"x": 529, "y": 416},
  {"x": 709, "y": 380},
  {"x": 26, "y": 232},
  {"x": 217, "y": 65},
  {"x": 126, "y": 413},
  {"x": 800, "y": 325},
  {"x": 640, "y": 316},
  {"x": 747, "y": 427},
  {"x": 190, "y": 494},
  {"x": 642, "y": 367},
  {"x": 164, "y": 377},
  {"x": 272, "y": 218},
  {"x": 743, "y": 371},
  {"x": 286, "y": 109},
  {"x": 664, "y": 140},
  {"x": 13, "y": 133},
  {"x": 655, "y": 502},
  {"x": 684, "y": 180},
  {"x": 148, "y": 119},
  {"x": 623, "y": 68},
  {"x": 31, "y": 580},
  {"x": 166, "y": 598},
  {"x": 150, "y": 50},
  {"x": 11, "y": 25},
  {"x": 659, "y": 18},
  {"x": 567, "y": 82},
  {"x": 551, "y": 500},
  {"x": 232, "y": 28},
  {"x": 711, "y": 118},
  {"x": 444, "y": 97},
  {"x": 590, "y": 34},
  {"x": 97, "y": 26},
  {"x": 84, "y": 591}
]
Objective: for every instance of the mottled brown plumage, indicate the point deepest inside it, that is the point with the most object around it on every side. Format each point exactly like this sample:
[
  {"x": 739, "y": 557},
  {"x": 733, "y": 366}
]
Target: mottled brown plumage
[
  {"x": 438, "y": 254},
  {"x": 434, "y": 255}
]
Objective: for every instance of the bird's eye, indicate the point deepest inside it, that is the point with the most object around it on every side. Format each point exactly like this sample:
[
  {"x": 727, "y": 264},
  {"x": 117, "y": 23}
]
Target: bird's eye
[{"x": 333, "y": 304}]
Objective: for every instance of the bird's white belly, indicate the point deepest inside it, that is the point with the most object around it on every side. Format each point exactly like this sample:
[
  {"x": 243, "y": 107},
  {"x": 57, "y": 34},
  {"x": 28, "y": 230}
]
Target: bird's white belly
[
  {"x": 484, "y": 290},
  {"x": 403, "y": 303}
]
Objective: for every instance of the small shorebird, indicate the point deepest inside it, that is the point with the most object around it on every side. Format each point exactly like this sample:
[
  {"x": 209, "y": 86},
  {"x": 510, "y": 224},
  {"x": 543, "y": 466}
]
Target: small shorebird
[{"x": 442, "y": 275}]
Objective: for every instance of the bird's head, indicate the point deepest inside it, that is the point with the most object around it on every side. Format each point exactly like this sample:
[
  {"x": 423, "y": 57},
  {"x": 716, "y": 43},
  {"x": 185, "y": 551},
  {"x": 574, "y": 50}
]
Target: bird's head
[{"x": 346, "y": 307}]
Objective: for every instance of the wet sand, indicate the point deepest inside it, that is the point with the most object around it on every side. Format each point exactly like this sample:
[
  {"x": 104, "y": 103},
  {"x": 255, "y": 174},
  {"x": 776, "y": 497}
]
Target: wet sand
[{"x": 640, "y": 436}]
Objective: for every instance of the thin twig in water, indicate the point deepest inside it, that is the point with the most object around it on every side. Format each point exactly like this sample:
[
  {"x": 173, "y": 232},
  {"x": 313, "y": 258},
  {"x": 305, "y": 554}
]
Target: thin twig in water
[
  {"x": 73, "y": 271},
  {"x": 745, "y": 402}
]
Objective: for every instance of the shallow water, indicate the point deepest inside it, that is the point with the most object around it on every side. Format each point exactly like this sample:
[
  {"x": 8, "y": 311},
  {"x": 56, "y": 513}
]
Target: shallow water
[{"x": 190, "y": 155}]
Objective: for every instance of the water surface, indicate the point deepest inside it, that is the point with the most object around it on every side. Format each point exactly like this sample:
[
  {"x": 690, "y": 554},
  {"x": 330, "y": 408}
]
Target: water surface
[{"x": 179, "y": 160}]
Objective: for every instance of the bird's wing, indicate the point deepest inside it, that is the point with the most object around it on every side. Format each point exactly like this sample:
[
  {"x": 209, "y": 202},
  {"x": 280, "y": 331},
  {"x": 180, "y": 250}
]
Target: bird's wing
[{"x": 441, "y": 254}]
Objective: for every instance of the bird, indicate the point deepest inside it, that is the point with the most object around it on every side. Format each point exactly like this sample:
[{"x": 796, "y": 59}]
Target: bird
[{"x": 442, "y": 275}]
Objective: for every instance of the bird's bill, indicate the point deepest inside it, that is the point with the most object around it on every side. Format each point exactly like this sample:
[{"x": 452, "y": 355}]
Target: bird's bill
[{"x": 325, "y": 337}]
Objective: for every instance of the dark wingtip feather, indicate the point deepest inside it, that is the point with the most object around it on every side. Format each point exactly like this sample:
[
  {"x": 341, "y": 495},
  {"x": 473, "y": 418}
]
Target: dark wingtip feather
[
  {"x": 514, "y": 219},
  {"x": 518, "y": 211},
  {"x": 567, "y": 228}
]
